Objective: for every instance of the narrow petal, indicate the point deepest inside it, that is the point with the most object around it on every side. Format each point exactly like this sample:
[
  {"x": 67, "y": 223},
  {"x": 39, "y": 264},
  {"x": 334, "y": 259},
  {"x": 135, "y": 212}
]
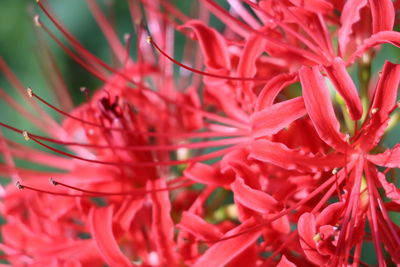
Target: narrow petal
[
  {"x": 383, "y": 15},
  {"x": 253, "y": 199},
  {"x": 274, "y": 118},
  {"x": 315, "y": 6},
  {"x": 212, "y": 45},
  {"x": 101, "y": 227},
  {"x": 345, "y": 86},
  {"x": 272, "y": 89},
  {"x": 206, "y": 174},
  {"x": 162, "y": 224},
  {"x": 222, "y": 252},
  {"x": 390, "y": 158},
  {"x": 319, "y": 107},
  {"x": 384, "y": 100},
  {"x": 201, "y": 229},
  {"x": 282, "y": 156},
  {"x": 350, "y": 15},
  {"x": 391, "y": 190},
  {"x": 389, "y": 37}
]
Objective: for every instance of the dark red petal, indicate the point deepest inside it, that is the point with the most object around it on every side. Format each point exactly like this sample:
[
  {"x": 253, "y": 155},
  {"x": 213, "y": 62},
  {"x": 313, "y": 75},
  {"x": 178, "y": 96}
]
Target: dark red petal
[
  {"x": 274, "y": 118},
  {"x": 198, "y": 227},
  {"x": 383, "y": 15},
  {"x": 390, "y": 37},
  {"x": 345, "y": 86},
  {"x": 212, "y": 44},
  {"x": 284, "y": 262},
  {"x": 384, "y": 100},
  {"x": 222, "y": 252},
  {"x": 329, "y": 215},
  {"x": 350, "y": 15},
  {"x": 319, "y": 107},
  {"x": 100, "y": 220},
  {"x": 272, "y": 89},
  {"x": 253, "y": 199},
  {"x": 281, "y": 155},
  {"x": 390, "y": 158}
]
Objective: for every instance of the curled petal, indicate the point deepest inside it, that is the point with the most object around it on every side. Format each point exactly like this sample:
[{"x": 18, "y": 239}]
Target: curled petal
[
  {"x": 384, "y": 100},
  {"x": 212, "y": 45},
  {"x": 224, "y": 251},
  {"x": 345, "y": 86},
  {"x": 320, "y": 109},
  {"x": 391, "y": 190},
  {"x": 100, "y": 220},
  {"x": 390, "y": 158},
  {"x": 272, "y": 89},
  {"x": 201, "y": 229},
  {"x": 253, "y": 199},
  {"x": 282, "y": 156},
  {"x": 383, "y": 15},
  {"x": 389, "y": 37},
  {"x": 350, "y": 15},
  {"x": 206, "y": 174},
  {"x": 274, "y": 118},
  {"x": 307, "y": 231}
]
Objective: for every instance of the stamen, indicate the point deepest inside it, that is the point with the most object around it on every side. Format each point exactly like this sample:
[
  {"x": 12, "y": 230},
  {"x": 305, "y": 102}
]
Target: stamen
[
  {"x": 29, "y": 92},
  {"x": 53, "y": 182},
  {"x": 19, "y": 185},
  {"x": 26, "y": 135},
  {"x": 374, "y": 110},
  {"x": 36, "y": 20}
]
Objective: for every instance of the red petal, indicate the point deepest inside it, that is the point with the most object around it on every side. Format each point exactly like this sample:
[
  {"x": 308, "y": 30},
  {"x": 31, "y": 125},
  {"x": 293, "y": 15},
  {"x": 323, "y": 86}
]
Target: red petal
[
  {"x": 345, "y": 86},
  {"x": 391, "y": 190},
  {"x": 315, "y": 6},
  {"x": 350, "y": 15},
  {"x": 307, "y": 231},
  {"x": 390, "y": 158},
  {"x": 390, "y": 37},
  {"x": 222, "y": 252},
  {"x": 206, "y": 174},
  {"x": 274, "y": 118},
  {"x": 100, "y": 220},
  {"x": 383, "y": 15},
  {"x": 253, "y": 199},
  {"x": 272, "y": 89},
  {"x": 212, "y": 45},
  {"x": 284, "y": 262},
  {"x": 201, "y": 229},
  {"x": 384, "y": 100},
  {"x": 281, "y": 155},
  {"x": 319, "y": 107},
  {"x": 162, "y": 224}
]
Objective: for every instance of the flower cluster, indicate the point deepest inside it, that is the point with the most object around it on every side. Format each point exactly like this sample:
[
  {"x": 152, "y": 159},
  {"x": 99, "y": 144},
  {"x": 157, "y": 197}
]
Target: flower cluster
[{"x": 258, "y": 148}]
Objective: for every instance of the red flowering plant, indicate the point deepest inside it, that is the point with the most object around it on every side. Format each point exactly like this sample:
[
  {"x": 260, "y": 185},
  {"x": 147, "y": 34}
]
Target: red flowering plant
[{"x": 242, "y": 156}]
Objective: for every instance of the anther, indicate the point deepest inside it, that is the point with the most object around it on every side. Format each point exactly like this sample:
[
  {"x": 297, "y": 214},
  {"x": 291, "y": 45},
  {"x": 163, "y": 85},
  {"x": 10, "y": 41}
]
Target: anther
[
  {"x": 53, "y": 182},
  {"x": 29, "y": 92},
  {"x": 335, "y": 171},
  {"x": 317, "y": 237},
  {"x": 374, "y": 110},
  {"x": 127, "y": 37},
  {"x": 26, "y": 135},
  {"x": 19, "y": 185},
  {"x": 149, "y": 39},
  {"x": 347, "y": 138},
  {"x": 36, "y": 19}
]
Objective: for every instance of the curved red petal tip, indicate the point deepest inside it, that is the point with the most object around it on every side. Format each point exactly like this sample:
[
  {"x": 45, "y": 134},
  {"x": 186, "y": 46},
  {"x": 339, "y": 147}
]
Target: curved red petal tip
[
  {"x": 315, "y": 6},
  {"x": 319, "y": 107},
  {"x": 345, "y": 86},
  {"x": 383, "y": 15}
]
